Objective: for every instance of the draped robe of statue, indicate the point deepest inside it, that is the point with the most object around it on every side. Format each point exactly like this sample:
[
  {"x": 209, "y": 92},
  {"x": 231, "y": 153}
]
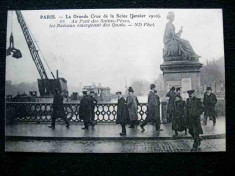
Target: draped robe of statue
[{"x": 175, "y": 46}]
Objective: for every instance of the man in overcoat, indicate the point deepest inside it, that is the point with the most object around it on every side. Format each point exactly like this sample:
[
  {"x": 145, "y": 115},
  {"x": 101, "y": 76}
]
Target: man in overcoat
[
  {"x": 194, "y": 108},
  {"x": 152, "y": 109},
  {"x": 132, "y": 104},
  {"x": 85, "y": 109},
  {"x": 170, "y": 106},
  {"x": 58, "y": 109},
  {"x": 122, "y": 113},
  {"x": 209, "y": 102},
  {"x": 158, "y": 103},
  {"x": 93, "y": 102}
]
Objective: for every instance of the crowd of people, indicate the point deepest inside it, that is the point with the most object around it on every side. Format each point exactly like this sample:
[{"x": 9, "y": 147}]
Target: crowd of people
[{"x": 184, "y": 115}]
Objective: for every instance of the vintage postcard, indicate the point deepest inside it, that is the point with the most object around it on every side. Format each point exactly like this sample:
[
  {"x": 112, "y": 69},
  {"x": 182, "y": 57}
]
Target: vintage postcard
[{"x": 115, "y": 81}]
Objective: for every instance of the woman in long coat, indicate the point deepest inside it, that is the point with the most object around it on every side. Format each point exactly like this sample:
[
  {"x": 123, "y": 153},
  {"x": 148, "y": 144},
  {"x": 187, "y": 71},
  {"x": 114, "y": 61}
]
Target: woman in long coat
[
  {"x": 170, "y": 105},
  {"x": 179, "y": 119},
  {"x": 132, "y": 104},
  {"x": 122, "y": 113}
]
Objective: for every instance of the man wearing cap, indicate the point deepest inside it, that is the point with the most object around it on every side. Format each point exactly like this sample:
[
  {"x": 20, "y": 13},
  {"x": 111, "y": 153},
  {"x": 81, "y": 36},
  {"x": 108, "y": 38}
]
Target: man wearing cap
[
  {"x": 93, "y": 102},
  {"x": 132, "y": 104},
  {"x": 85, "y": 109},
  {"x": 122, "y": 113},
  {"x": 152, "y": 109},
  {"x": 170, "y": 106},
  {"x": 58, "y": 109},
  {"x": 209, "y": 102},
  {"x": 194, "y": 108}
]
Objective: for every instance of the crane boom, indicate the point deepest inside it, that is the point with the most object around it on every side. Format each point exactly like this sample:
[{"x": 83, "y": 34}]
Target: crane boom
[{"x": 31, "y": 45}]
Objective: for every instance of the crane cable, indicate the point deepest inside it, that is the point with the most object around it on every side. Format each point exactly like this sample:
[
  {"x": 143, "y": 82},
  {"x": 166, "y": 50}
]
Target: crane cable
[{"x": 38, "y": 48}]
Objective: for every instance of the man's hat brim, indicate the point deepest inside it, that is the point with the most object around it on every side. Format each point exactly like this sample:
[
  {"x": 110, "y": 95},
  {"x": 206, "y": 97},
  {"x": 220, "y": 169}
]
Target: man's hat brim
[{"x": 190, "y": 91}]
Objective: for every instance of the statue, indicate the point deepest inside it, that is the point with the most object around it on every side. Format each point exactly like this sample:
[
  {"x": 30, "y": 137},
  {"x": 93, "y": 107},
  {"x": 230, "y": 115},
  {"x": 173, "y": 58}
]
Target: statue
[{"x": 174, "y": 45}]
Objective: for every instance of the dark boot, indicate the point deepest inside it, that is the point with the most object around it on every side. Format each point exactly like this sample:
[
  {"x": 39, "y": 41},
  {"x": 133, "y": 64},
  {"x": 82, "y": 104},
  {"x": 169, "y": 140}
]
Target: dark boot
[
  {"x": 176, "y": 134},
  {"x": 132, "y": 125},
  {"x": 52, "y": 127},
  {"x": 142, "y": 125},
  {"x": 67, "y": 125}
]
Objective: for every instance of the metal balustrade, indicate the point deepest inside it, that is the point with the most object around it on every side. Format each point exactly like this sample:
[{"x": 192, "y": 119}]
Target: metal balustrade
[{"x": 41, "y": 112}]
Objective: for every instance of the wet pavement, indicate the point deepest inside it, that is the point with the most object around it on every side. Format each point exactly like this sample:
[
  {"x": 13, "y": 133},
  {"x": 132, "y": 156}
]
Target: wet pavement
[
  {"x": 113, "y": 146},
  {"x": 104, "y": 130}
]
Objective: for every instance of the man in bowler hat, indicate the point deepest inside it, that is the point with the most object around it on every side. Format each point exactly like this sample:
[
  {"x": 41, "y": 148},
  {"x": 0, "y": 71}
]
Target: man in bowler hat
[
  {"x": 85, "y": 109},
  {"x": 132, "y": 105},
  {"x": 58, "y": 109},
  {"x": 152, "y": 109},
  {"x": 209, "y": 102},
  {"x": 194, "y": 108},
  {"x": 122, "y": 113}
]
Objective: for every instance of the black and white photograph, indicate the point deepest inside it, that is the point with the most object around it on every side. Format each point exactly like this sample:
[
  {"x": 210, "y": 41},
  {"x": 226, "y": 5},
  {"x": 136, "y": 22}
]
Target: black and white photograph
[{"x": 115, "y": 81}]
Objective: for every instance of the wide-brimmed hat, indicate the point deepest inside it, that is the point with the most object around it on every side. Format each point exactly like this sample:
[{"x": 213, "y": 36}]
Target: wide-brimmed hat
[
  {"x": 178, "y": 88},
  {"x": 190, "y": 92},
  {"x": 208, "y": 88},
  {"x": 92, "y": 92},
  {"x": 119, "y": 92},
  {"x": 130, "y": 89}
]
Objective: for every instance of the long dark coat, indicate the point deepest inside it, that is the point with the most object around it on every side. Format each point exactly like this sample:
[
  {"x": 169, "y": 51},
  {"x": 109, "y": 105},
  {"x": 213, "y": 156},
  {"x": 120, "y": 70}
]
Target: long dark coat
[
  {"x": 122, "y": 112},
  {"x": 132, "y": 105},
  {"x": 85, "y": 109},
  {"x": 158, "y": 103},
  {"x": 58, "y": 107},
  {"x": 152, "y": 107},
  {"x": 194, "y": 108},
  {"x": 93, "y": 102},
  {"x": 209, "y": 102},
  {"x": 170, "y": 104},
  {"x": 179, "y": 113}
]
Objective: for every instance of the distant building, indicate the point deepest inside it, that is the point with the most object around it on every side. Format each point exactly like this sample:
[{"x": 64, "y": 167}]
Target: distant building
[{"x": 102, "y": 93}]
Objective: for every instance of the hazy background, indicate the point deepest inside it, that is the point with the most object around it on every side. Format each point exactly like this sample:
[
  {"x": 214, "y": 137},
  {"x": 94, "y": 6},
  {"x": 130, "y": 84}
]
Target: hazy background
[{"x": 108, "y": 55}]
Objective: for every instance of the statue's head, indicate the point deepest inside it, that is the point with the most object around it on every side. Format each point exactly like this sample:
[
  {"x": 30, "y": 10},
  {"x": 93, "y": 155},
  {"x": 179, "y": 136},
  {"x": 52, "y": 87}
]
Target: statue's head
[{"x": 170, "y": 16}]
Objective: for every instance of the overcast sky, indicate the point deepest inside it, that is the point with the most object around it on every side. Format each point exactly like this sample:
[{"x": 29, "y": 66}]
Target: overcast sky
[{"x": 108, "y": 55}]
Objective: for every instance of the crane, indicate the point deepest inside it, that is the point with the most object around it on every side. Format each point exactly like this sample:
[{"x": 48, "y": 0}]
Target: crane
[{"x": 46, "y": 86}]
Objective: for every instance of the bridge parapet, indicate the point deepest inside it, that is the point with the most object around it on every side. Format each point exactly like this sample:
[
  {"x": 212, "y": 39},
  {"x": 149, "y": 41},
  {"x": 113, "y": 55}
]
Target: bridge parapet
[{"x": 41, "y": 112}]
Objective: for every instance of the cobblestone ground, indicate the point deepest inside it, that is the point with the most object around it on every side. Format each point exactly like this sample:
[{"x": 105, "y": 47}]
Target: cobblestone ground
[{"x": 114, "y": 146}]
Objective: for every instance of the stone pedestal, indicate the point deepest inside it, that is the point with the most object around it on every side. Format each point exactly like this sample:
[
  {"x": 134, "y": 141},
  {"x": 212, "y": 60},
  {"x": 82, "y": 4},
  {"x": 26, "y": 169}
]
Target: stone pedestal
[{"x": 181, "y": 73}]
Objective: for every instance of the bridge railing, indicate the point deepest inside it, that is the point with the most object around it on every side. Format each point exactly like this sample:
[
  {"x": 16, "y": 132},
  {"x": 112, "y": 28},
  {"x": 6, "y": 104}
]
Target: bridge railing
[{"x": 41, "y": 112}]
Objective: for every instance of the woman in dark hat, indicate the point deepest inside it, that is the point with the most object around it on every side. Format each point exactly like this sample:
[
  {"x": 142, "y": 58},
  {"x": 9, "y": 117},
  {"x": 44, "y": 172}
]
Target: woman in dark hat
[
  {"x": 170, "y": 105},
  {"x": 132, "y": 104},
  {"x": 122, "y": 113},
  {"x": 179, "y": 119}
]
